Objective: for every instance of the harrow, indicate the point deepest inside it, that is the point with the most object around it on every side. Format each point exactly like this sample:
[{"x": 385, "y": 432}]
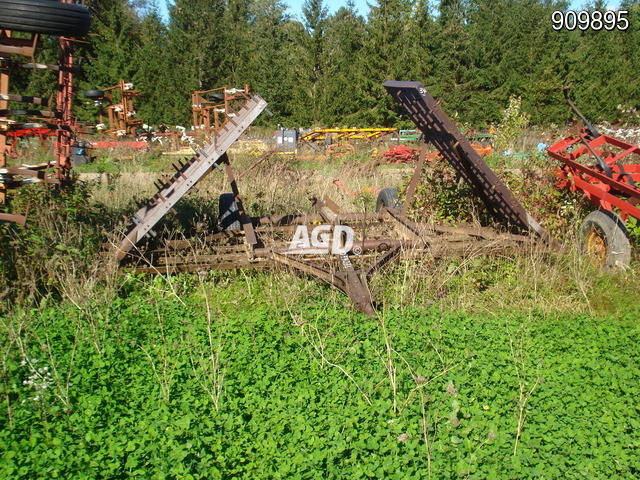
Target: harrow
[{"x": 344, "y": 249}]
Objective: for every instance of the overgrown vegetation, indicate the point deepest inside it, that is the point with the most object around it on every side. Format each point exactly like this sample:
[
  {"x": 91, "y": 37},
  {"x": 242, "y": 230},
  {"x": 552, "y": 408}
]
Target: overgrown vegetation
[
  {"x": 477, "y": 367},
  {"x": 238, "y": 376}
]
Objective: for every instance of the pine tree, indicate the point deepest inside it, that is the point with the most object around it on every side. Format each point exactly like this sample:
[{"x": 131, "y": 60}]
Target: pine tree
[
  {"x": 386, "y": 56},
  {"x": 273, "y": 62},
  {"x": 343, "y": 74},
  {"x": 154, "y": 78}
]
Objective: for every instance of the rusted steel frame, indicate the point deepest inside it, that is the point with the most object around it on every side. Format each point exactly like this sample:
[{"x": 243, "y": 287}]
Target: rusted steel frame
[
  {"x": 237, "y": 257},
  {"x": 168, "y": 269},
  {"x": 359, "y": 247},
  {"x": 415, "y": 179},
  {"x": 349, "y": 282},
  {"x": 186, "y": 243},
  {"x": 10, "y": 217},
  {"x": 216, "y": 249},
  {"x": 173, "y": 245},
  {"x": 188, "y": 175},
  {"x": 456, "y": 149},
  {"x": 383, "y": 261},
  {"x": 202, "y": 107},
  {"x": 27, "y": 172},
  {"x": 245, "y": 220},
  {"x": 4, "y": 146},
  {"x": 18, "y": 46},
  {"x": 334, "y": 278},
  {"x": 283, "y": 220},
  {"x": 354, "y": 284},
  {"x": 255, "y": 164},
  {"x": 407, "y": 228},
  {"x": 64, "y": 105},
  {"x": 122, "y": 120}
]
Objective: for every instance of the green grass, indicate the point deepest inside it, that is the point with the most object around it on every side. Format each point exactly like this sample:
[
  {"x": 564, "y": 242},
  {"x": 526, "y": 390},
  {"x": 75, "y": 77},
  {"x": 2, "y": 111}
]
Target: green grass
[{"x": 213, "y": 379}]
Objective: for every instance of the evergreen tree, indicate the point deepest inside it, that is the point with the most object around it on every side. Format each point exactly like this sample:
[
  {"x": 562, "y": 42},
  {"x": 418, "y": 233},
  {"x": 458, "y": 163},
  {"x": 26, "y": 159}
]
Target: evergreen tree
[
  {"x": 271, "y": 66},
  {"x": 154, "y": 78},
  {"x": 386, "y": 56},
  {"x": 605, "y": 69},
  {"x": 236, "y": 45},
  {"x": 453, "y": 60},
  {"x": 344, "y": 74},
  {"x": 195, "y": 40},
  {"x": 115, "y": 37},
  {"x": 312, "y": 62}
]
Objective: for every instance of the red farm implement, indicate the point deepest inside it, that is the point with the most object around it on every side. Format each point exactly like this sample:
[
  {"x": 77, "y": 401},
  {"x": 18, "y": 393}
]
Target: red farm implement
[
  {"x": 53, "y": 114},
  {"x": 606, "y": 170}
]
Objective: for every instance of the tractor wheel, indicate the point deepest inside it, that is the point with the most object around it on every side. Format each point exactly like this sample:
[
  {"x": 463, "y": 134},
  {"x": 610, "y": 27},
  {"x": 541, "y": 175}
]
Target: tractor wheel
[
  {"x": 229, "y": 218},
  {"x": 388, "y": 197},
  {"x": 45, "y": 16},
  {"x": 605, "y": 240},
  {"x": 93, "y": 94}
]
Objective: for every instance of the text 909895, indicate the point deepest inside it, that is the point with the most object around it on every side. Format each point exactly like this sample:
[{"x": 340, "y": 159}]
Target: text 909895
[{"x": 586, "y": 20}]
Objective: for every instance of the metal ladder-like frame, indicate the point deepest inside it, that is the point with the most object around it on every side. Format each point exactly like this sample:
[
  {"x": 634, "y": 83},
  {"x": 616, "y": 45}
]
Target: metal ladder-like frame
[
  {"x": 456, "y": 149},
  {"x": 190, "y": 173}
]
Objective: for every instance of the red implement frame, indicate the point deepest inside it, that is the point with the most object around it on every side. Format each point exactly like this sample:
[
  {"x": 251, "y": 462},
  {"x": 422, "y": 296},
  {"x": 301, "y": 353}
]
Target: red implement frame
[
  {"x": 62, "y": 124},
  {"x": 609, "y": 182}
]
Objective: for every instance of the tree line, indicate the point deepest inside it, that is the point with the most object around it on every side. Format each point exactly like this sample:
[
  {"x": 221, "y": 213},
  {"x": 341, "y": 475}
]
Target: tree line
[{"x": 327, "y": 69}]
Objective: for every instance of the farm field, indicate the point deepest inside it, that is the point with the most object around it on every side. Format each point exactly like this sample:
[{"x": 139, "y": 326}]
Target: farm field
[{"x": 478, "y": 367}]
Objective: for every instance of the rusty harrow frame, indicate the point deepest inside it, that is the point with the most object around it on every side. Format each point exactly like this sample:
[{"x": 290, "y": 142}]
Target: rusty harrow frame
[
  {"x": 58, "y": 122},
  {"x": 380, "y": 238},
  {"x": 210, "y": 109}
]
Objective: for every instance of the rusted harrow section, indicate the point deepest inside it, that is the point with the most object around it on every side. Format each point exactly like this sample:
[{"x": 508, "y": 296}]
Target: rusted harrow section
[
  {"x": 439, "y": 130},
  {"x": 379, "y": 239},
  {"x": 211, "y": 108},
  {"x": 343, "y": 249}
]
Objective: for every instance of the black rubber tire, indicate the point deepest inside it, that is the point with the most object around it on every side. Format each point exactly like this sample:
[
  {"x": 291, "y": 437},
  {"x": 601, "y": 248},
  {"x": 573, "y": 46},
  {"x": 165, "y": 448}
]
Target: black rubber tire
[
  {"x": 45, "y": 16},
  {"x": 229, "y": 218},
  {"x": 605, "y": 240},
  {"x": 93, "y": 94},
  {"x": 388, "y": 197}
]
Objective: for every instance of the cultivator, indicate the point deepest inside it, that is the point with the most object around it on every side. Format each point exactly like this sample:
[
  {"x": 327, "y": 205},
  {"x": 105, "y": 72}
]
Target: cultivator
[
  {"x": 607, "y": 171},
  {"x": 211, "y": 108},
  {"x": 55, "y": 122},
  {"x": 329, "y": 135},
  {"x": 343, "y": 249}
]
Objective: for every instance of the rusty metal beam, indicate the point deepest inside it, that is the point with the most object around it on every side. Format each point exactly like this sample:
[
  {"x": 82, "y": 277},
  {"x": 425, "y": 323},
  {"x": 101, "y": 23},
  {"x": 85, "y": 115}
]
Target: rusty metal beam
[
  {"x": 189, "y": 174},
  {"x": 456, "y": 149}
]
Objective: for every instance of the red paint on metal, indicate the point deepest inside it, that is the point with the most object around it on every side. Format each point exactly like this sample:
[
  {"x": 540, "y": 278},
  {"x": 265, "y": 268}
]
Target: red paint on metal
[{"x": 606, "y": 191}]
